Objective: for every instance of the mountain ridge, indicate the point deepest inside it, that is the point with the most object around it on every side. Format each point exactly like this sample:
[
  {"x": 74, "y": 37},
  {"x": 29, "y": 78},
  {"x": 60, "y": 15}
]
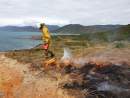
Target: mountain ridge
[
  {"x": 26, "y": 28},
  {"x": 77, "y": 28}
]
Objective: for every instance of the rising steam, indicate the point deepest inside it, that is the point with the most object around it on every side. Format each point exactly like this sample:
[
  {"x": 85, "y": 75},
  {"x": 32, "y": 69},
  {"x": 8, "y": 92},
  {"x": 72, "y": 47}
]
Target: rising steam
[{"x": 67, "y": 54}]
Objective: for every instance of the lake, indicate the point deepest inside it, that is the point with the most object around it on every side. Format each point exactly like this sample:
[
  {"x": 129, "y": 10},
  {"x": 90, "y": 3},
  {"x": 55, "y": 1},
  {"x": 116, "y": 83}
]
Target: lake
[{"x": 17, "y": 40}]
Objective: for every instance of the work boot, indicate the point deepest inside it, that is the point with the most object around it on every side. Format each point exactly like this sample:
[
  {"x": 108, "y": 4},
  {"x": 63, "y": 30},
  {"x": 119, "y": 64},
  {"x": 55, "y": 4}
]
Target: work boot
[{"x": 50, "y": 54}]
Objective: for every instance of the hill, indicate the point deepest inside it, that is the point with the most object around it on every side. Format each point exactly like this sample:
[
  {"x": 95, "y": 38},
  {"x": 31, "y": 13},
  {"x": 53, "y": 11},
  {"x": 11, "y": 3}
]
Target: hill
[
  {"x": 80, "y": 29},
  {"x": 98, "y": 32},
  {"x": 25, "y": 28}
]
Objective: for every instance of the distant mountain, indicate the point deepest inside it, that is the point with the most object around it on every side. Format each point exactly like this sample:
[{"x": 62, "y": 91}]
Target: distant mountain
[
  {"x": 98, "y": 32},
  {"x": 26, "y": 28},
  {"x": 53, "y": 27},
  {"x": 80, "y": 29}
]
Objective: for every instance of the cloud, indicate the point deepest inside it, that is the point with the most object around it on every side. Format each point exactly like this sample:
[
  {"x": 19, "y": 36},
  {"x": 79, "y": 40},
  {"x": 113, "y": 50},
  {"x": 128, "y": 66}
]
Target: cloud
[
  {"x": 31, "y": 21},
  {"x": 86, "y": 12}
]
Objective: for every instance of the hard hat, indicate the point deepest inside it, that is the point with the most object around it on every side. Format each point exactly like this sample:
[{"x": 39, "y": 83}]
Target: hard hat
[{"x": 42, "y": 24}]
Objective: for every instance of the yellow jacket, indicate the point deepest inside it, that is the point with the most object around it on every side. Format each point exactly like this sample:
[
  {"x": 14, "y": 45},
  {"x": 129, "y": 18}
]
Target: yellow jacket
[{"x": 46, "y": 36}]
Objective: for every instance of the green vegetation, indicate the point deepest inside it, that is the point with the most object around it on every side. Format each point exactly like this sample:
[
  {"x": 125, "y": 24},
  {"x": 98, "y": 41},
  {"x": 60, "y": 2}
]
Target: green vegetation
[
  {"x": 119, "y": 45},
  {"x": 99, "y": 36},
  {"x": 123, "y": 33}
]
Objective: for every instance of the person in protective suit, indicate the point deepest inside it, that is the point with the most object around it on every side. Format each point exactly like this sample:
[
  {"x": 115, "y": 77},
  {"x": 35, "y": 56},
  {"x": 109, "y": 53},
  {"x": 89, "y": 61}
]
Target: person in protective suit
[{"x": 46, "y": 37}]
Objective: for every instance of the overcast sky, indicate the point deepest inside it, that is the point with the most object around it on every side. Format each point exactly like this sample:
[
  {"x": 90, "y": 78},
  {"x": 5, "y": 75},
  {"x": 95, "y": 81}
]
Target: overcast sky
[{"x": 61, "y": 12}]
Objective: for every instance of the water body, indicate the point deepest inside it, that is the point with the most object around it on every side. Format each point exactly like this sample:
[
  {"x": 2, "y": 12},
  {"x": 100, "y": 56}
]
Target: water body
[{"x": 15, "y": 41}]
